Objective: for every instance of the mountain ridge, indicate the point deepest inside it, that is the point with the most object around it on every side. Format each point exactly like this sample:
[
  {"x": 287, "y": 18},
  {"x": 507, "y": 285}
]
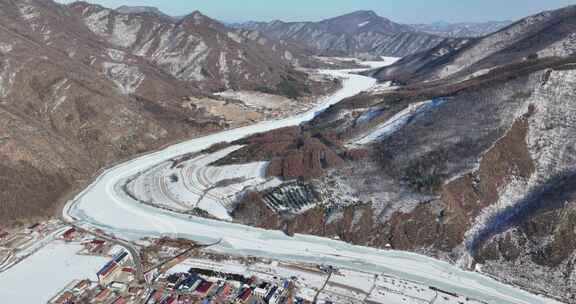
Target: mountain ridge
[{"x": 359, "y": 33}]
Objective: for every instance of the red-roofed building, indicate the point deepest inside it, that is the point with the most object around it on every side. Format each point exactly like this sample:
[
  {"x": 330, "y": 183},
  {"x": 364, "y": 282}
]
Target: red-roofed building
[
  {"x": 224, "y": 292},
  {"x": 252, "y": 280},
  {"x": 169, "y": 300},
  {"x": 244, "y": 296},
  {"x": 120, "y": 300},
  {"x": 64, "y": 298},
  {"x": 69, "y": 234},
  {"x": 103, "y": 295},
  {"x": 82, "y": 285},
  {"x": 157, "y": 295},
  {"x": 204, "y": 287}
]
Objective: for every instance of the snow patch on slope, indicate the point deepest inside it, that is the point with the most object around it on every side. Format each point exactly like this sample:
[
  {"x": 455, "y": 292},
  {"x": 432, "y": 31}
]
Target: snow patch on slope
[
  {"x": 126, "y": 78},
  {"x": 125, "y": 31},
  {"x": 27, "y": 11},
  {"x": 363, "y": 24},
  {"x": 6, "y": 78},
  {"x": 116, "y": 55},
  {"x": 98, "y": 22},
  {"x": 396, "y": 122},
  {"x": 59, "y": 93}
]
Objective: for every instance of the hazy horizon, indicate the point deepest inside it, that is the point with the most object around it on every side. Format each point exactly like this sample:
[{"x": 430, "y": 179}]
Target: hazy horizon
[{"x": 405, "y": 11}]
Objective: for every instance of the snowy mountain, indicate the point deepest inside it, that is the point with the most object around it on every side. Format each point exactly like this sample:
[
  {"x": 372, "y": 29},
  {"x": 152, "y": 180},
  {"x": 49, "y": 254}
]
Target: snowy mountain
[
  {"x": 360, "y": 33},
  {"x": 543, "y": 35}
]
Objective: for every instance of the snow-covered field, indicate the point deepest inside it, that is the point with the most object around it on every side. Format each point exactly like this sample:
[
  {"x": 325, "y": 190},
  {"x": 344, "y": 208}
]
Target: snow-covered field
[
  {"x": 196, "y": 184},
  {"x": 34, "y": 242},
  {"x": 103, "y": 205},
  {"x": 257, "y": 99},
  {"x": 41, "y": 276}
]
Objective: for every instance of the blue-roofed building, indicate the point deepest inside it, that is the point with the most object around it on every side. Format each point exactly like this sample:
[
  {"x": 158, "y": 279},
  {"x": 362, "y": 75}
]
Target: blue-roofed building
[
  {"x": 189, "y": 282},
  {"x": 270, "y": 294},
  {"x": 121, "y": 256},
  {"x": 113, "y": 268}
]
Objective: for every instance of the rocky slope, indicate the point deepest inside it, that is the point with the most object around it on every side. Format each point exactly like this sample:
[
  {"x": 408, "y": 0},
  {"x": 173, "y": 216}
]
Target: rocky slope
[
  {"x": 358, "y": 34},
  {"x": 474, "y": 168},
  {"x": 546, "y": 34},
  {"x": 82, "y": 86},
  {"x": 194, "y": 48},
  {"x": 124, "y": 9}
]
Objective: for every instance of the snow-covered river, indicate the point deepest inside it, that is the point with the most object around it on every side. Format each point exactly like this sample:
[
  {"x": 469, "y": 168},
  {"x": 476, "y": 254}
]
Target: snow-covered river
[{"x": 103, "y": 206}]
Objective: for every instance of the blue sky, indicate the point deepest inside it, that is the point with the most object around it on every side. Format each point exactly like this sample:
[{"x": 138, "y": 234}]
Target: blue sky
[{"x": 406, "y": 11}]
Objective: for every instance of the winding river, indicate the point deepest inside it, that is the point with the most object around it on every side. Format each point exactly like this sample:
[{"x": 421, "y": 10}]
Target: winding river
[{"x": 102, "y": 205}]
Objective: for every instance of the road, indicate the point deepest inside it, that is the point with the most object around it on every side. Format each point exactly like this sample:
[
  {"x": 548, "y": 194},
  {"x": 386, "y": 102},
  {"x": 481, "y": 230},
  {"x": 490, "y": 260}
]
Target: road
[
  {"x": 128, "y": 246},
  {"x": 183, "y": 255},
  {"x": 323, "y": 287}
]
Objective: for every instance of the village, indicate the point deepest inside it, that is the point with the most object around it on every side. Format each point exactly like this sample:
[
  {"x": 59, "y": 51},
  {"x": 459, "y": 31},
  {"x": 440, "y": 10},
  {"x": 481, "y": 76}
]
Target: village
[{"x": 178, "y": 271}]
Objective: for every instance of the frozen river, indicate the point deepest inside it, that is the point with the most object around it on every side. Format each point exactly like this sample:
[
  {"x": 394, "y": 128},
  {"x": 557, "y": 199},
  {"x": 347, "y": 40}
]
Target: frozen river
[{"x": 103, "y": 206}]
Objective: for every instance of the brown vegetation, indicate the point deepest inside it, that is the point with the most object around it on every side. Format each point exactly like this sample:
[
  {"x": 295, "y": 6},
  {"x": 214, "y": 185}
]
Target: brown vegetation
[
  {"x": 27, "y": 193},
  {"x": 292, "y": 152}
]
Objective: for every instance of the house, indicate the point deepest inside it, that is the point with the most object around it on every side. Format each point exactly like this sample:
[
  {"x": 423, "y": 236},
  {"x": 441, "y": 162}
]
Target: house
[
  {"x": 277, "y": 296},
  {"x": 155, "y": 297},
  {"x": 110, "y": 272},
  {"x": 190, "y": 283},
  {"x": 135, "y": 291},
  {"x": 69, "y": 234},
  {"x": 186, "y": 299},
  {"x": 244, "y": 296},
  {"x": 174, "y": 280},
  {"x": 260, "y": 293},
  {"x": 95, "y": 245},
  {"x": 33, "y": 226},
  {"x": 81, "y": 286},
  {"x": 64, "y": 298},
  {"x": 204, "y": 287},
  {"x": 103, "y": 295},
  {"x": 251, "y": 280},
  {"x": 270, "y": 294},
  {"x": 223, "y": 293},
  {"x": 122, "y": 287},
  {"x": 120, "y": 300},
  {"x": 169, "y": 300}
]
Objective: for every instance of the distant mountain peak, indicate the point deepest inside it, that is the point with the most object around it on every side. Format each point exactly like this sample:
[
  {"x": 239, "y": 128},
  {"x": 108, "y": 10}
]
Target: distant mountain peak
[
  {"x": 360, "y": 33},
  {"x": 365, "y": 13},
  {"x": 197, "y": 16},
  {"x": 363, "y": 21},
  {"x": 199, "y": 19},
  {"x": 125, "y": 9},
  {"x": 357, "y": 15}
]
